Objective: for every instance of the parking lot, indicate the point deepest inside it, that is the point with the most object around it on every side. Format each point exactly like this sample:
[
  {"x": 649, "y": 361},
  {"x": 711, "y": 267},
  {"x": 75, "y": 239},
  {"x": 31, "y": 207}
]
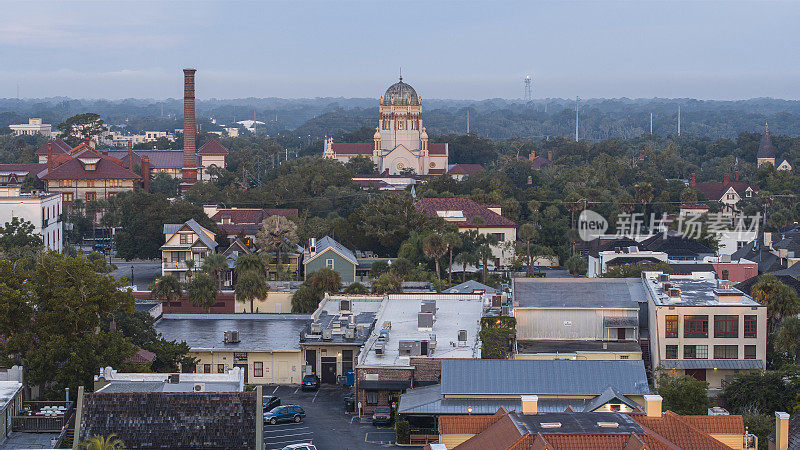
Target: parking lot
[{"x": 326, "y": 425}]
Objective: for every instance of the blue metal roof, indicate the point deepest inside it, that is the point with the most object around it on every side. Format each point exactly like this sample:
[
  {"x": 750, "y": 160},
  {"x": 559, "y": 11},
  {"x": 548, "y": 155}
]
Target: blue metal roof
[
  {"x": 712, "y": 363},
  {"x": 564, "y": 377}
]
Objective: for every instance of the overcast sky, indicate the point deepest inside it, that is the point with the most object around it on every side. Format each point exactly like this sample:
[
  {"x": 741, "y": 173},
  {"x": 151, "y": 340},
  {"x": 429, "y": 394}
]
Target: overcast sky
[{"x": 447, "y": 49}]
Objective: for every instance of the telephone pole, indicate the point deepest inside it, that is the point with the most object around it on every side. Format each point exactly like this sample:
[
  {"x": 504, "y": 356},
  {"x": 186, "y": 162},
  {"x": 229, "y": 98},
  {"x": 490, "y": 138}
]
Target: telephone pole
[
  {"x": 679, "y": 120},
  {"x": 576, "y": 118},
  {"x": 651, "y": 123}
]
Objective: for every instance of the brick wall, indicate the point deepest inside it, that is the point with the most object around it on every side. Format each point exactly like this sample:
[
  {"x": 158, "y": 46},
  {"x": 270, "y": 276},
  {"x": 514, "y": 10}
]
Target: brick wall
[{"x": 426, "y": 370}]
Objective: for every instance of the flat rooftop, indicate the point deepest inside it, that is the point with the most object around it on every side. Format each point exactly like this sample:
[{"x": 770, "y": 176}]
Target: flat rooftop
[
  {"x": 360, "y": 317},
  {"x": 454, "y": 312},
  {"x": 257, "y": 332},
  {"x": 533, "y": 346},
  {"x": 8, "y": 389},
  {"x": 696, "y": 289},
  {"x": 578, "y": 292}
]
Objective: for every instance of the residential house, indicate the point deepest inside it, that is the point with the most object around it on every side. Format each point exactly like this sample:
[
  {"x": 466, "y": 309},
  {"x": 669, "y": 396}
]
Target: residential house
[
  {"x": 182, "y": 242},
  {"x": 327, "y": 253},
  {"x": 43, "y": 210},
  {"x": 34, "y": 126},
  {"x": 467, "y": 214},
  {"x": 728, "y": 192},
  {"x": 461, "y": 171},
  {"x": 766, "y": 152},
  {"x": 578, "y": 318},
  {"x": 482, "y": 386},
  {"x": 538, "y": 162},
  {"x": 704, "y": 327},
  {"x": 413, "y": 334},
  {"x": 244, "y": 222},
  {"x": 651, "y": 429},
  {"x": 333, "y": 340},
  {"x": 265, "y": 346},
  {"x": 237, "y": 248},
  {"x": 173, "y": 419},
  {"x": 112, "y": 381}
]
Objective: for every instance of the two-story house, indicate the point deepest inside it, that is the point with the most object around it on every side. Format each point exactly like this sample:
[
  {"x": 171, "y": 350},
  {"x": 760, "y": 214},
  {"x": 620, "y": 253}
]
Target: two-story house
[
  {"x": 184, "y": 242},
  {"x": 729, "y": 193},
  {"x": 703, "y": 327}
]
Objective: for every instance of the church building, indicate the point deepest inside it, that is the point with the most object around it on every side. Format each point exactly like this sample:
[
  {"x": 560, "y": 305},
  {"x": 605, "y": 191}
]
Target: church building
[
  {"x": 400, "y": 145},
  {"x": 766, "y": 153}
]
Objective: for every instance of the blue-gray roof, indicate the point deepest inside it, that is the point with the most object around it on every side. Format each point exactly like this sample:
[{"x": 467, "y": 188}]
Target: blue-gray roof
[
  {"x": 607, "y": 396},
  {"x": 712, "y": 364},
  {"x": 470, "y": 286},
  {"x": 579, "y": 292},
  {"x": 541, "y": 377},
  {"x": 276, "y": 332},
  {"x": 200, "y": 231},
  {"x": 329, "y": 243}
]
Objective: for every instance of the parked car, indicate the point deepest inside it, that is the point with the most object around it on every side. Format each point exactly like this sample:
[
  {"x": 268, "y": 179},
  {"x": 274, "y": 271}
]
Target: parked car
[
  {"x": 310, "y": 382},
  {"x": 270, "y": 402},
  {"x": 285, "y": 413},
  {"x": 304, "y": 446},
  {"x": 382, "y": 415}
]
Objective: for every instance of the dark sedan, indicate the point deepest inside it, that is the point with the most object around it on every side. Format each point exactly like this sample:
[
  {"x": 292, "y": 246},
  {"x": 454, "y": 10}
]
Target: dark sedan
[{"x": 310, "y": 383}]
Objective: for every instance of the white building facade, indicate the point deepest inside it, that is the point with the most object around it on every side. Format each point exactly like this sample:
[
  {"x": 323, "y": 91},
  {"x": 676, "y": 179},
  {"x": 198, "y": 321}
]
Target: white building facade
[
  {"x": 42, "y": 209},
  {"x": 34, "y": 126}
]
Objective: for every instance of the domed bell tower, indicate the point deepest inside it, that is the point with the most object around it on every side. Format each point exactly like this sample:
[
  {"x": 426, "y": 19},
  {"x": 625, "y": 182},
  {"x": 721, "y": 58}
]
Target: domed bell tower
[{"x": 400, "y": 117}]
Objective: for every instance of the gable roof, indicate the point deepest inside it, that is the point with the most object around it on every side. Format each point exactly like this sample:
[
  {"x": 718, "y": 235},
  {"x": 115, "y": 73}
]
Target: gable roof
[
  {"x": 59, "y": 146},
  {"x": 674, "y": 429},
  {"x": 436, "y": 207},
  {"x": 541, "y": 377},
  {"x": 172, "y": 228},
  {"x": 106, "y": 168},
  {"x": 328, "y": 243},
  {"x": 766, "y": 260},
  {"x": 212, "y": 147},
  {"x": 716, "y": 190},
  {"x": 717, "y": 424},
  {"x": 674, "y": 245},
  {"x": 765, "y": 148},
  {"x": 609, "y": 395},
  {"x": 465, "y": 169}
]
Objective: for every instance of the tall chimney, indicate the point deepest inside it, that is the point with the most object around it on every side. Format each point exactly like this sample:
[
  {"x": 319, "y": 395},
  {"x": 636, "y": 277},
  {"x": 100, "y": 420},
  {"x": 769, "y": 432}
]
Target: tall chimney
[
  {"x": 726, "y": 179},
  {"x": 736, "y": 176},
  {"x": 532, "y": 155},
  {"x": 549, "y": 155},
  {"x": 130, "y": 155},
  {"x": 693, "y": 180},
  {"x": 145, "y": 173},
  {"x": 781, "y": 431},
  {"x": 188, "y": 171},
  {"x": 49, "y": 156}
]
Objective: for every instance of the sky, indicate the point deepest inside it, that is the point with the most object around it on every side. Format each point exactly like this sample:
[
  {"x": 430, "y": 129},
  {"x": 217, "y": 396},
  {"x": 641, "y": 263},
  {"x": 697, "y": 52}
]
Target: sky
[{"x": 445, "y": 49}]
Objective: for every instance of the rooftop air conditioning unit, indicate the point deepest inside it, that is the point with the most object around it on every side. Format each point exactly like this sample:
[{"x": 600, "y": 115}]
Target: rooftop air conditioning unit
[
  {"x": 387, "y": 325},
  {"x": 349, "y": 333},
  {"x": 174, "y": 378},
  {"x": 497, "y": 301},
  {"x": 316, "y": 328},
  {"x": 199, "y": 387},
  {"x": 432, "y": 343},
  {"x": 675, "y": 294},
  {"x": 428, "y": 306},
  {"x": 462, "y": 337},
  {"x": 663, "y": 277},
  {"x": 425, "y": 321},
  {"x": 231, "y": 337},
  {"x": 345, "y": 305},
  {"x": 724, "y": 258},
  {"x": 327, "y": 334},
  {"x": 379, "y": 349}
]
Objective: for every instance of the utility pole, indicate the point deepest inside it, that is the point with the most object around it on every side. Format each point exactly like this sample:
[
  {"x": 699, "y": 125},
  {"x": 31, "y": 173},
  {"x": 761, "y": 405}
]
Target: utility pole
[
  {"x": 467, "y": 121},
  {"x": 651, "y": 123},
  {"x": 679, "y": 120},
  {"x": 576, "y": 118}
]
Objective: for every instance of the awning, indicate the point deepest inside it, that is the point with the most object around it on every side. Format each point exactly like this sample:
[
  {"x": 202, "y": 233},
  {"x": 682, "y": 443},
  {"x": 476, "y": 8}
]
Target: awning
[
  {"x": 712, "y": 364},
  {"x": 620, "y": 322},
  {"x": 384, "y": 385}
]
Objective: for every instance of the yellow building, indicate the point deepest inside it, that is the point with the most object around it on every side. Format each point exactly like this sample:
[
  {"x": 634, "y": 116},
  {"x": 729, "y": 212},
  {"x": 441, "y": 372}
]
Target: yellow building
[{"x": 265, "y": 346}]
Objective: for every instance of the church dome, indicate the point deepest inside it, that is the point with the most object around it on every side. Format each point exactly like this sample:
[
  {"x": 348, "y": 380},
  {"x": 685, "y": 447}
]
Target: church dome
[{"x": 403, "y": 93}]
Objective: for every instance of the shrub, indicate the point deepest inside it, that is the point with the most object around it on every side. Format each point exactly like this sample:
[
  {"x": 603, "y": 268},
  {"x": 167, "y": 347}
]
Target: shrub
[{"x": 402, "y": 431}]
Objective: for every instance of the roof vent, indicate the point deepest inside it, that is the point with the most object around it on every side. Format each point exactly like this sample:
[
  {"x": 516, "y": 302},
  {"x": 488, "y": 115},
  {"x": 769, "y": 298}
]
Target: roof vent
[
  {"x": 608, "y": 424},
  {"x": 199, "y": 387},
  {"x": 345, "y": 305},
  {"x": 327, "y": 334},
  {"x": 379, "y": 349},
  {"x": 462, "y": 338},
  {"x": 231, "y": 337},
  {"x": 428, "y": 306},
  {"x": 550, "y": 424},
  {"x": 675, "y": 294},
  {"x": 316, "y": 328}
]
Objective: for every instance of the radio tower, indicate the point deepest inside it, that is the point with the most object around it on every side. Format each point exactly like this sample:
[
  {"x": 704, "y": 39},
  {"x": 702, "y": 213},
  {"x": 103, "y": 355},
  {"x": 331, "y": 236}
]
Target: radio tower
[{"x": 527, "y": 88}]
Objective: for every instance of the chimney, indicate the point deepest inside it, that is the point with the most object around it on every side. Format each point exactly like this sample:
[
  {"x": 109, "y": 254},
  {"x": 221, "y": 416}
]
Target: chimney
[
  {"x": 532, "y": 155},
  {"x": 88, "y": 140},
  {"x": 145, "y": 173},
  {"x": 736, "y": 176},
  {"x": 188, "y": 171},
  {"x": 694, "y": 181},
  {"x": 726, "y": 179},
  {"x": 549, "y": 155},
  {"x": 49, "y": 156},
  {"x": 652, "y": 405},
  {"x": 781, "y": 431},
  {"x": 530, "y": 404},
  {"x": 130, "y": 155}
]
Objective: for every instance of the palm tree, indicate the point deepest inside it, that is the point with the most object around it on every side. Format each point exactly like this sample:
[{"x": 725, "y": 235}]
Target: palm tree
[
  {"x": 464, "y": 258},
  {"x": 98, "y": 442},
  {"x": 251, "y": 262},
  {"x": 527, "y": 232},
  {"x": 484, "y": 251},
  {"x": 166, "y": 289},
  {"x": 644, "y": 194},
  {"x": 277, "y": 233},
  {"x": 215, "y": 264},
  {"x": 202, "y": 290},
  {"x": 453, "y": 240},
  {"x": 250, "y": 285},
  {"x": 189, "y": 268},
  {"x": 435, "y": 247}
]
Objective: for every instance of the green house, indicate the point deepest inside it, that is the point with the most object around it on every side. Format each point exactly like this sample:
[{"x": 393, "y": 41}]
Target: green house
[{"x": 326, "y": 252}]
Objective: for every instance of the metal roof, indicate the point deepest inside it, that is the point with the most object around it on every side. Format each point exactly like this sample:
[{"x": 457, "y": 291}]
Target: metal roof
[
  {"x": 556, "y": 377},
  {"x": 326, "y": 243},
  {"x": 257, "y": 332},
  {"x": 712, "y": 363},
  {"x": 579, "y": 292},
  {"x": 530, "y": 346}
]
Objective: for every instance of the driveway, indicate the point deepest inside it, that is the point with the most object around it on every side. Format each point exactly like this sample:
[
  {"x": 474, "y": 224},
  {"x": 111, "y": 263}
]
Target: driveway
[{"x": 326, "y": 425}]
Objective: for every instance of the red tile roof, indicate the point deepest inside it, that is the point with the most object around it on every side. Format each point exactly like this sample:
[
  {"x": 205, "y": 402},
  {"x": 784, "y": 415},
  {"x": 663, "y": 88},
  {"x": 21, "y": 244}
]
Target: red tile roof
[
  {"x": 716, "y": 190},
  {"x": 585, "y": 441},
  {"x": 468, "y": 207},
  {"x": 465, "y": 424},
  {"x": 141, "y": 357},
  {"x": 717, "y": 424},
  {"x": 502, "y": 434},
  {"x": 672, "y": 428},
  {"x": 107, "y": 168},
  {"x": 212, "y": 147},
  {"x": 59, "y": 146},
  {"x": 344, "y": 148},
  {"x": 437, "y": 148},
  {"x": 466, "y": 169},
  {"x": 23, "y": 169},
  {"x": 539, "y": 162}
]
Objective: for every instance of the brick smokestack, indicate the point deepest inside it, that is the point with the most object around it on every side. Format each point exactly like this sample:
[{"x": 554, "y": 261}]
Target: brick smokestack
[
  {"x": 49, "y": 156},
  {"x": 188, "y": 171},
  {"x": 130, "y": 155},
  {"x": 145, "y": 173}
]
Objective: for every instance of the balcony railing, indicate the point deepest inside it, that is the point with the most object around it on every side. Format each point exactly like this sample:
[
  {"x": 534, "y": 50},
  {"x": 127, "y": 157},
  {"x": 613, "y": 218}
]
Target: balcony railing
[
  {"x": 177, "y": 265},
  {"x": 42, "y": 417}
]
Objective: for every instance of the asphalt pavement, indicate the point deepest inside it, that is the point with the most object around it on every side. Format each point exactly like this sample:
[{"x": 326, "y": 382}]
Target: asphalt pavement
[{"x": 144, "y": 272}]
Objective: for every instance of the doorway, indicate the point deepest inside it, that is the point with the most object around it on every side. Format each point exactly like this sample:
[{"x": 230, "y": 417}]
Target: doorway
[
  {"x": 697, "y": 374},
  {"x": 311, "y": 360},
  {"x": 244, "y": 369},
  {"x": 620, "y": 334},
  {"x": 328, "y": 370}
]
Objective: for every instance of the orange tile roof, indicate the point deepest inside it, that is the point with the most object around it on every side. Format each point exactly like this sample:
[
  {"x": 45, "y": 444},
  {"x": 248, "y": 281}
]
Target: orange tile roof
[
  {"x": 465, "y": 424},
  {"x": 586, "y": 442},
  {"x": 717, "y": 424},
  {"x": 502, "y": 434},
  {"x": 670, "y": 427}
]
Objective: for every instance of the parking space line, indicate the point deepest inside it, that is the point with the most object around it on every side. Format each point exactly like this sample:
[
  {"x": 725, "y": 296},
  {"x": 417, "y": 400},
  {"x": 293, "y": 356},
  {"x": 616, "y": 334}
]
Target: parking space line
[
  {"x": 276, "y": 389},
  {"x": 315, "y": 397},
  {"x": 290, "y": 435},
  {"x": 298, "y": 388}
]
